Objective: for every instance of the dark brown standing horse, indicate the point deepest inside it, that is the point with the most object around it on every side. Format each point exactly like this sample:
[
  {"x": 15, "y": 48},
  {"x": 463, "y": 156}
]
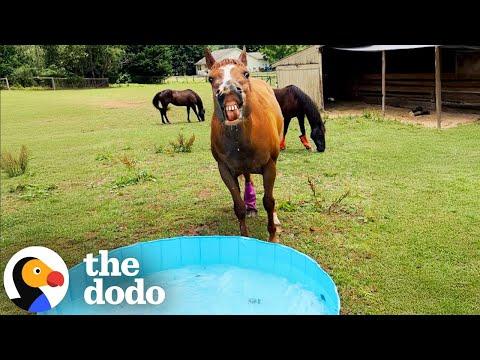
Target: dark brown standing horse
[
  {"x": 295, "y": 103},
  {"x": 188, "y": 98},
  {"x": 246, "y": 129}
]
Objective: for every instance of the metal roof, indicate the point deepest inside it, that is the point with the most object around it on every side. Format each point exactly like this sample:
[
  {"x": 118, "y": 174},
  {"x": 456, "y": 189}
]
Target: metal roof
[
  {"x": 384, "y": 47},
  {"x": 284, "y": 60},
  {"x": 404, "y": 47}
]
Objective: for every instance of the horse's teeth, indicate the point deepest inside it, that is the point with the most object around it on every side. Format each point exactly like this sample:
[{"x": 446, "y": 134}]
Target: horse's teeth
[{"x": 231, "y": 107}]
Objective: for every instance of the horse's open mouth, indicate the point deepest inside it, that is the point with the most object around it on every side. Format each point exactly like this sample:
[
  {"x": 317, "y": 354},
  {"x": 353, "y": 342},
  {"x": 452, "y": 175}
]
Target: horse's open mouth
[{"x": 233, "y": 111}]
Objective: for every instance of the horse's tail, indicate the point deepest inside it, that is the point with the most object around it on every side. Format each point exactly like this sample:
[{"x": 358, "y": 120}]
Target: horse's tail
[
  {"x": 201, "y": 109},
  {"x": 156, "y": 101},
  {"x": 199, "y": 102},
  {"x": 313, "y": 115}
]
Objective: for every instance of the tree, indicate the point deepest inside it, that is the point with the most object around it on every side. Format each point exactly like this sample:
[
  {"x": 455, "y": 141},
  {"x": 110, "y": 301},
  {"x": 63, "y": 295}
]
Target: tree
[
  {"x": 51, "y": 54},
  {"x": 73, "y": 58},
  {"x": 9, "y": 60},
  {"x": 143, "y": 62},
  {"x": 20, "y": 63},
  {"x": 184, "y": 57},
  {"x": 103, "y": 60},
  {"x": 276, "y": 52}
]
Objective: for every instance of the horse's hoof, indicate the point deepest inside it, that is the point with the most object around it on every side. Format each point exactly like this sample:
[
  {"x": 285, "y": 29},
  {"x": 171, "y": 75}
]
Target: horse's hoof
[
  {"x": 275, "y": 219},
  {"x": 252, "y": 213},
  {"x": 273, "y": 239}
]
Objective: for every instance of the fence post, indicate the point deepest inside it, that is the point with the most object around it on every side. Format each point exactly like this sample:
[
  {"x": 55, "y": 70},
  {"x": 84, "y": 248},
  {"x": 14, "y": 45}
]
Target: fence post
[
  {"x": 53, "y": 83},
  {"x": 8, "y": 85}
]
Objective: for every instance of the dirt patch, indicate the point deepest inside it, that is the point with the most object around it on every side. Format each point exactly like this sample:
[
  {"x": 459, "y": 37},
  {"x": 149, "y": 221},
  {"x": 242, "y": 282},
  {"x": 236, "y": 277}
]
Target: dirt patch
[
  {"x": 450, "y": 117},
  {"x": 204, "y": 194},
  {"x": 117, "y": 104},
  {"x": 91, "y": 235},
  {"x": 201, "y": 229}
]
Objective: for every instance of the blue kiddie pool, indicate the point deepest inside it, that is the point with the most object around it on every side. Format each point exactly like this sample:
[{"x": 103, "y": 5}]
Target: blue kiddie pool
[{"x": 221, "y": 275}]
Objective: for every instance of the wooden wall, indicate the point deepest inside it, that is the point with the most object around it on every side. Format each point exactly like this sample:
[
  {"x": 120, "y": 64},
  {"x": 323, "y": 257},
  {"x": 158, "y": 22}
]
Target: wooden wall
[
  {"x": 412, "y": 90},
  {"x": 306, "y": 77},
  {"x": 303, "y": 69}
]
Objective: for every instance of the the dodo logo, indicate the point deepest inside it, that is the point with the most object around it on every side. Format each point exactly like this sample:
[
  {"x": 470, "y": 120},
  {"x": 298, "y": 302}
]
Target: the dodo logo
[{"x": 36, "y": 279}]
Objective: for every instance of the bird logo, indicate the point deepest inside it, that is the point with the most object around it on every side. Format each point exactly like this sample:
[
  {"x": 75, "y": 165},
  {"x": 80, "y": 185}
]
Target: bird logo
[{"x": 36, "y": 279}]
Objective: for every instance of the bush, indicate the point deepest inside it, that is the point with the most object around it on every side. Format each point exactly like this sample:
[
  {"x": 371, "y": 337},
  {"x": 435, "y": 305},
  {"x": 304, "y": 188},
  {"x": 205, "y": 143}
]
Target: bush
[
  {"x": 128, "y": 162},
  {"x": 15, "y": 166},
  {"x": 23, "y": 75},
  {"x": 54, "y": 71},
  {"x": 182, "y": 145},
  {"x": 373, "y": 115},
  {"x": 103, "y": 157},
  {"x": 132, "y": 179},
  {"x": 158, "y": 149},
  {"x": 31, "y": 191},
  {"x": 124, "y": 78}
]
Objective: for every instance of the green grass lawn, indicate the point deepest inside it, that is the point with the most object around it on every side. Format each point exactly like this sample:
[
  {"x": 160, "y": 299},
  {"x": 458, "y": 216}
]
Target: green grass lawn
[{"x": 404, "y": 240}]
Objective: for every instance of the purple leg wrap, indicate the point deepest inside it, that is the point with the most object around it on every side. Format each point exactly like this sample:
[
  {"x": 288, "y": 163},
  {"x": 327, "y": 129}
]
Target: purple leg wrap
[{"x": 250, "y": 197}]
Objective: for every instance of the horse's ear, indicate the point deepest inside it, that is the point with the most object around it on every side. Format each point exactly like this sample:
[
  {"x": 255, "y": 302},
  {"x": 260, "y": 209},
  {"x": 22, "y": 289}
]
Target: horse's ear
[
  {"x": 209, "y": 58},
  {"x": 243, "y": 56}
]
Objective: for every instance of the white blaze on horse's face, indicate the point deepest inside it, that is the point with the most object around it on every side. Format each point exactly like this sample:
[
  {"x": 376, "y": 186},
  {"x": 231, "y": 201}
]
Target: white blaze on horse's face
[{"x": 227, "y": 77}]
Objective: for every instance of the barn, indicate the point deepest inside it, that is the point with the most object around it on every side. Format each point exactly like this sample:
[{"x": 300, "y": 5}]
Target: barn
[
  {"x": 303, "y": 69},
  {"x": 430, "y": 76}
]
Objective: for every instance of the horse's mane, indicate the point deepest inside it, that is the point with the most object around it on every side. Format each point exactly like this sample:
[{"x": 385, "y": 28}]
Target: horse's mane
[
  {"x": 226, "y": 62},
  {"x": 309, "y": 107}
]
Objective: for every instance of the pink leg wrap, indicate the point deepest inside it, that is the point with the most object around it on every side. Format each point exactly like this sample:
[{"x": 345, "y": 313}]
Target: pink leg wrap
[{"x": 250, "y": 197}]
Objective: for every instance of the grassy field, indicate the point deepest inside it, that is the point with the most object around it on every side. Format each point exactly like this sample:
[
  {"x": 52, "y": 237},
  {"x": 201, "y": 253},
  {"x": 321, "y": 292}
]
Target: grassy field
[{"x": 405, "y": 238}]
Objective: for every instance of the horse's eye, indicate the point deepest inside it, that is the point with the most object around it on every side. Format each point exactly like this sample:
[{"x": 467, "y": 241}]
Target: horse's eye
[
  {"x": 247, "y": 75},
  {"x": 210, "y": 79}
]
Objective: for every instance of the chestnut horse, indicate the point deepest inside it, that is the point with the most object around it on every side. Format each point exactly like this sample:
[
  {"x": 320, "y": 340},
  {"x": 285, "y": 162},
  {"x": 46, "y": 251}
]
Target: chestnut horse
[
  {"x": 188, "y": 98},
  {"x": 246, "y": 129}
]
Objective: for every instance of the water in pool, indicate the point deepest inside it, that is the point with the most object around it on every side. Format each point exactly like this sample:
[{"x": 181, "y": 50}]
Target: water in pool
[{"x": 216, "y": 289}]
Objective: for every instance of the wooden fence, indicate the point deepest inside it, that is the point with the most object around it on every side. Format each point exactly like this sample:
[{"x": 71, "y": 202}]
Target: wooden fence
[
  {"x": 185, "y": 79},
  {"x": 269, "y": 77},
  {"x": 70, "y": 83},
  {"x": 5, "y": 81}
]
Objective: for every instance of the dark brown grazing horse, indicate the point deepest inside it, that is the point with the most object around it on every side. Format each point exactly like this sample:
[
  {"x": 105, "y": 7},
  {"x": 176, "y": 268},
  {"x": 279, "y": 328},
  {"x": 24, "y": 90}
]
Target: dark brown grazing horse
[
  {"x": 246, "y": 129},
  {"x": 295, "y": 103},
  {"x": 188, "y": 98}
]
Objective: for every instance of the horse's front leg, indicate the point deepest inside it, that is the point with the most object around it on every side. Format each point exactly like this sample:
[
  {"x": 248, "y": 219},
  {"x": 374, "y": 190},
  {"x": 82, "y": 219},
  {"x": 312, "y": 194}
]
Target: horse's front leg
[
  {"x": 238, "y": 204},
  {"x": 188, "y": 113},
  {"x": 269, "y": 175},
  {"x": 303, "y": 137}
]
